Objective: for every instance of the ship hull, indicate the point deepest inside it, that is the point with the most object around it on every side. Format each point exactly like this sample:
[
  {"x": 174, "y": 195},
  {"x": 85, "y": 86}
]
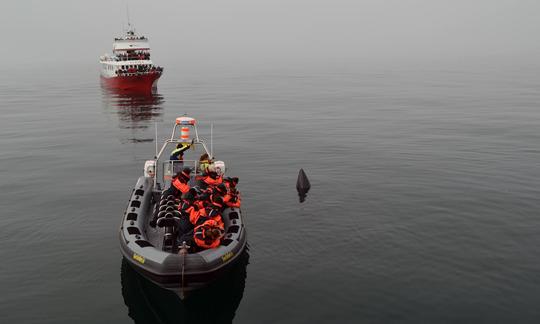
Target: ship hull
[{"x": 145, "y": 82}]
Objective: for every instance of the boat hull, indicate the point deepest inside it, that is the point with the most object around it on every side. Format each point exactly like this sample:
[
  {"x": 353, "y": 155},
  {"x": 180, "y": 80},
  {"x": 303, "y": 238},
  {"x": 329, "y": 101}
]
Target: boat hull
[{"x": 144, "y": 82}]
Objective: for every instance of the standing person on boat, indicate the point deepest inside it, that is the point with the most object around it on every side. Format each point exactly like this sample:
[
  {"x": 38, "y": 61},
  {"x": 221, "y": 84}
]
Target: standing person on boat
[{"x": 178, "y": 155}]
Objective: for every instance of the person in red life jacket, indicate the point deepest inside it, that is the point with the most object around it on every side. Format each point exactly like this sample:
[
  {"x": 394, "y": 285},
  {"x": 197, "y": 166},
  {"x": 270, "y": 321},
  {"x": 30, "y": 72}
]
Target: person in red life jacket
[
  {"x": 203, "y": 200},
  {"x": 221, "y": 189},
  {"x": 232, "y": 201},
  {"x": 218, "y": 191},
  {"x": 188, "y": 201},
  {"x": 179, "y": 183},
  {"x": 215, "y": 210},
  {"x": 211, "y": 179},
  {"x": 196, "y": 214},
  {"x": 232, "y": 198},
  {"x": 230, "y": 182},
  {"x": 207, "y": 235}
]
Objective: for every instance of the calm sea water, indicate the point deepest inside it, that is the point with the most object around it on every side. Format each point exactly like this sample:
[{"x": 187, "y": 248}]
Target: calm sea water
[{"x": 424, "y": 202}]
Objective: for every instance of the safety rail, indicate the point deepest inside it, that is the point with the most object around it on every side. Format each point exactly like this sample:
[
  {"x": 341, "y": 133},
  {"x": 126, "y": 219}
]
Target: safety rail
[{"x": 166, "y": 168}]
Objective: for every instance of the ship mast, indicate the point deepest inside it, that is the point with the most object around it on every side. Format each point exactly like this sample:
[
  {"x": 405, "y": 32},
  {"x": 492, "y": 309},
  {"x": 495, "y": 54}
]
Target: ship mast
[{"x": 127, "y": 12}]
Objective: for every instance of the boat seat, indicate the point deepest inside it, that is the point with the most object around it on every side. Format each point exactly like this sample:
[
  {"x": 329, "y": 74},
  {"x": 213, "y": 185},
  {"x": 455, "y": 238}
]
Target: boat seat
[
  {"x": 168, "y": 222},
  {"x": 171, "y": 224},
  {"x": 166, "y": 195},
  {"x": 171, "y": 211},
  {"x": 166, "y": 208},
  {"x": 168, "y": 242}
]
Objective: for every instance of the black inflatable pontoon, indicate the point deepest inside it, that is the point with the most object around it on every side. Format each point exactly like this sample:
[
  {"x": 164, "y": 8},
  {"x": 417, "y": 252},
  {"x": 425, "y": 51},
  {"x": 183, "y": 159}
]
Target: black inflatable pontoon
[{"x": 153, "y": 251}]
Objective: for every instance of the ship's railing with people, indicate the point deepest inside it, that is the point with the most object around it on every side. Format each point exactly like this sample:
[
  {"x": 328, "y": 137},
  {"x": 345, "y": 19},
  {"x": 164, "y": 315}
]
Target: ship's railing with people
[
  {"x": 130, "y": 35},
  {"x": 131, "y": 56},
  {"x": 130, "y": 38},
  {"x": 139, "y": 71}
]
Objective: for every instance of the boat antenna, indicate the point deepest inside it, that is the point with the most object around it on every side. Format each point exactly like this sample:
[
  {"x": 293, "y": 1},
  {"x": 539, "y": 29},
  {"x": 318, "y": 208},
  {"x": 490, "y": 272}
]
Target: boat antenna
[
  {"x": 127, "y": 11},
  {"x": 212, "y": 140},
  {"x": 155, "y": 124}
]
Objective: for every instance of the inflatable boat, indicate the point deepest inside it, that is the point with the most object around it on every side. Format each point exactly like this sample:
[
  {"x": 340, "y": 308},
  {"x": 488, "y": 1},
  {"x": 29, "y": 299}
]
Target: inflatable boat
[{"x": 154, "y": 251}]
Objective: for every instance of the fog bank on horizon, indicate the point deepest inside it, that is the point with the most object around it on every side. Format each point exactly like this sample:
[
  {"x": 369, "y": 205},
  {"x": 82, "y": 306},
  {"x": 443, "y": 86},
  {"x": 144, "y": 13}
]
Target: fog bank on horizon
[{"x": 238, "y": 32}]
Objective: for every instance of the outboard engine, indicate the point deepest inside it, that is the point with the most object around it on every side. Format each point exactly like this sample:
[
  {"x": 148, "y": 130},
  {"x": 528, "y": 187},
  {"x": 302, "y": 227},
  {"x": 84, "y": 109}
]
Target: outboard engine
[
  {"x": 150, "y": 168},
  {"x": 219, "y": 167}
]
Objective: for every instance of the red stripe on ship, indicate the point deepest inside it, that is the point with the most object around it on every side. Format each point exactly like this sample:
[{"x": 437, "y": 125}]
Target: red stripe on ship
[{"x": 144, "y": 82}]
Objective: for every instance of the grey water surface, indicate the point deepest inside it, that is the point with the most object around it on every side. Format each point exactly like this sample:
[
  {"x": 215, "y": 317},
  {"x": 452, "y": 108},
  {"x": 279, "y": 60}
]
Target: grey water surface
[{"x": 423, "y": 208}]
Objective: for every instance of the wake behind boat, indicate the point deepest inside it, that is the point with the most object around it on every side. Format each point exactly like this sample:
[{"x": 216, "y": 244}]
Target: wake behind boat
[
  {"x": 130, "y": 67},
  {"x": 183, "y": 226}
]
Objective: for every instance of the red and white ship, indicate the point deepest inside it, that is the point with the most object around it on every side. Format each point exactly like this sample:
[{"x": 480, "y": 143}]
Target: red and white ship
[{"x": 129, "y": 67}]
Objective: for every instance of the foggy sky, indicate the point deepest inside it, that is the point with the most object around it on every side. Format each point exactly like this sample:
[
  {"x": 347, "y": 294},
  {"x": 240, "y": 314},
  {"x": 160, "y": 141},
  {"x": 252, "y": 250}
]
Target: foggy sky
[{"x": 199, "y": 32}]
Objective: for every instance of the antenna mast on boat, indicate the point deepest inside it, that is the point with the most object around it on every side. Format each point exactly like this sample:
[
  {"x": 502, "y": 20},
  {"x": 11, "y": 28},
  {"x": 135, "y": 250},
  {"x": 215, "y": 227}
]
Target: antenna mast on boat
[
  {"x": 212, "y": 140},
  {"x": 127, "y": 11},
  {"x": 155, "y": 124}
]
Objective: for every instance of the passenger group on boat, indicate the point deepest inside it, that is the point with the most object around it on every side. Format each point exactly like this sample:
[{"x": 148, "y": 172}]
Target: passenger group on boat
[{"x": 199, "y": 208}]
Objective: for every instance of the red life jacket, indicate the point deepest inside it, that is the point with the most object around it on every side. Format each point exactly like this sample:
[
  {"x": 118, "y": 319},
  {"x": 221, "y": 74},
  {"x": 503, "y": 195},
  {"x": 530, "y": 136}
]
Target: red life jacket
[
  {"x": 183, "y": 187},
  {"x": 195, "y": 213},
  {"x": 232, "y": 199},
  {"x": 215, "y": 216},
  {"x": 230, "y": 203},
  {"x": 213, "y": 182},
  {"x": 200, "y": 204},
  {"x": 184, "y": 206},
  {"x": 201, "y": 240}
]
